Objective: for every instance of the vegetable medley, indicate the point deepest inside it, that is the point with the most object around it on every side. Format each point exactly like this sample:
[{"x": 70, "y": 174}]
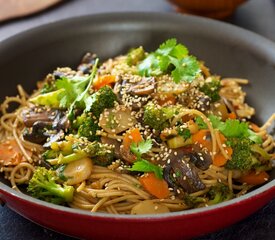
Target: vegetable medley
[{"x": 139, "y": 133}]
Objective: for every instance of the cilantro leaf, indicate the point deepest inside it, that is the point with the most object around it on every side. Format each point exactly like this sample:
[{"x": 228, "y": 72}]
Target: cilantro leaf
[
  {"x": 83, "y": 95},
  {"x": 72, "y": 90},
  {"x": 142, "y": 147},
  {"x": 172, "y": 58},
  {"x": 231, "y": 128},
  {"x": 184, "y": 132},
  {"x": 143, "y": 165},
  {"x": 186, "y": 69},
  {"x": 201, "y": 124}
]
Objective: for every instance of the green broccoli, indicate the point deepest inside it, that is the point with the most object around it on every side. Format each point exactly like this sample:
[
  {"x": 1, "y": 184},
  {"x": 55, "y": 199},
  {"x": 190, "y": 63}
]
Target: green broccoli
[
  {"x": 219, "y": 193},
  {"x": 100, "y": 100},
  {"x": 49, "y": 154},
  {"x": 158, "y": 117},
  {"x": 57, "y": 148},
  {"x": 242, "y": 157},
  {"x": 135, "y": 55},
  {"x": 193, "y": 202},
  {"x": 101, "y": 154},
  {"x": 44, "y": 185},
  {"x": 87, "y": 127},
  {"x": 211, "y": 89}
]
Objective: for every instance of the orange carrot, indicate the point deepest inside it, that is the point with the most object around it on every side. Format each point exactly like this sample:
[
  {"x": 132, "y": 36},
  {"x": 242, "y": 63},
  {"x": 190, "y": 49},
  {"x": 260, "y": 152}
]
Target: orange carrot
[
  {"x": 131, "y": 136},
  {"x": 168, "y": 100},
  {"x": 254, "y": 178},
  {"x": 200, "y": 137},
  {"x": 232, "y": 115},
  {"x": 222, "y": 138},
  {"x": 103, "y": 81},
  {"x": 219, "y": 160},
  {"x": 157, "y": 187},
  {"x": 10, "y": 153}
]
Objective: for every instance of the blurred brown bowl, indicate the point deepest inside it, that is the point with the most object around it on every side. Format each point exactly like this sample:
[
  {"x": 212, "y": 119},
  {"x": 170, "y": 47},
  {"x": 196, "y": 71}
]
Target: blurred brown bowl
[{"x": 217, "y": 9}]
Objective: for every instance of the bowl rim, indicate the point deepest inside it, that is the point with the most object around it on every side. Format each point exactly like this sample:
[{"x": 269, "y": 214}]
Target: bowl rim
[{"x": 266, "y": 48}]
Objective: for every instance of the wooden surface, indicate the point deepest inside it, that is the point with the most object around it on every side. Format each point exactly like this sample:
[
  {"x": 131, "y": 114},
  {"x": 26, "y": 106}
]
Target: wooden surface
[{"x": 18, "y": 8}]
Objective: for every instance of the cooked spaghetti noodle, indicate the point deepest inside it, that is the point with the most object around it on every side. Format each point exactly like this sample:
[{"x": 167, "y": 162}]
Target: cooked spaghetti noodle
[{"x": 136, "y": 157}]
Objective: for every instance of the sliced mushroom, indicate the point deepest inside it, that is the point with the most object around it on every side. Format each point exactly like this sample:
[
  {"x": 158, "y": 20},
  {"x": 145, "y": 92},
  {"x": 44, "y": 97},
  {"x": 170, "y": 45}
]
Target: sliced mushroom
[
  {"x": 32, "y": 115},
  {"x": 116, "y": 120},
  {"x": 126, "y": 155},
  {"x": 78, "y": 171},
  {"x": 149, "y": 207},
  {"x": 200, "y": 158},
  {"x": 37, "y": 133},
  {"x": 181, "y": 173},
  {"x": 113, "y": 142},
  {"x": 44, "y": 124},
  {"x": 145, "y": 86},
  {"x": 135, "y": 92}
]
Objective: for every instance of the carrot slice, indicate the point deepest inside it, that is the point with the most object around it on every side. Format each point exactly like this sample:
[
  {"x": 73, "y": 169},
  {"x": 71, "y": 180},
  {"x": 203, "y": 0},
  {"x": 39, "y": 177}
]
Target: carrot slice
[
  {"x": 131, "y": 136},
  {"x": 157, "y": 187},
  {"x": 103, "y": 81},
  {"x": 232, "y": 115},
  {"x": 254, "y": 178},
  {"x": 200, "y": 137},
  {"x": 10, "y": 153},
  {"x": 219, "y": 160},
  {"x": 167, "y": 99}
]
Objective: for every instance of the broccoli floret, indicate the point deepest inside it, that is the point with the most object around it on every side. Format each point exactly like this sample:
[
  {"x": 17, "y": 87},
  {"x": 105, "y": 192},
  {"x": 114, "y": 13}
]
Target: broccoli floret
[
  {"x": 44, "y": 185},
  {"x": 211, "y": 89},
  {"x": 193, "y": 202},
  {"x": 242, "y": 157},
  {"x": 87, "y": 127},
  {"x": 135, "y": 55},
  {"x": 219, "y": 193},
  {"x": 49, "y": 154},
  {"x": 57, "y": 148},
  {"x": 101, "y": 154},
  {"x": 158, "y": 117},
  {"x": 100, "y": 100}
]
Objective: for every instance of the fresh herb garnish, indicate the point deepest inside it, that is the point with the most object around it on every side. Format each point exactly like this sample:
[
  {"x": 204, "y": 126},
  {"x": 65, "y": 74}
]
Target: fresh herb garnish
[
  {"x": 173, "y": 58},
  {"x": 142, "y": 147},
  {"x": 231, "y": 128},
  {"x": 184, "y": 132},
  {"x": 80, "y": 99},
  {"x": 142, "y": 165}
]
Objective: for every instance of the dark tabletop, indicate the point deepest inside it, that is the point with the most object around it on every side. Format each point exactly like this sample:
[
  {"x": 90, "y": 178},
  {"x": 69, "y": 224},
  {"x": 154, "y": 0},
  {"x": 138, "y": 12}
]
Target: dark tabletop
[{"x": 255, "y": 15}]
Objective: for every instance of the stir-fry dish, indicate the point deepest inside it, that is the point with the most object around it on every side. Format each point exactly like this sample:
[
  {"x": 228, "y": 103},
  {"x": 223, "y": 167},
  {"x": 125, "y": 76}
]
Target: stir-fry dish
[{"x": 141, "y": 133}]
